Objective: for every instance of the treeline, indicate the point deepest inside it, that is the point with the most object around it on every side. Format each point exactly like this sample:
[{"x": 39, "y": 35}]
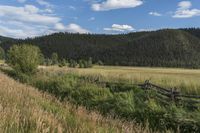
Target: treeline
[
  {"x": 162, "y": 48},
  {"x": 55, "y": 60},
  {"x": 26, "y": 58}
]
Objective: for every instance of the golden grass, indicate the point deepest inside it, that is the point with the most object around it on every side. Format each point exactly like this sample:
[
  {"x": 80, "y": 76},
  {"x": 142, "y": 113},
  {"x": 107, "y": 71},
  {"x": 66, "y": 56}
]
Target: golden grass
[
  {"x": 187, "y": 80},
  {"x": 1, "y": 62},
  {"x": 23, "y": 109}
]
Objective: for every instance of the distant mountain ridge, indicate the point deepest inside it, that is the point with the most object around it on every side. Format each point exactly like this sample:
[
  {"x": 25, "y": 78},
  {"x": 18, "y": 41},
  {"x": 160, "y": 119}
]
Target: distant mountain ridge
[
  {"x": 162, "y": 48},
  {"x": 3, "y": 39}
]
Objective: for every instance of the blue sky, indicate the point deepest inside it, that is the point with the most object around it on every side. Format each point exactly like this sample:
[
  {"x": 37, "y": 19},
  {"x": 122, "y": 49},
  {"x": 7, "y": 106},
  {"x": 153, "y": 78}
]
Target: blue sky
[{"x": 30, "y": 18}]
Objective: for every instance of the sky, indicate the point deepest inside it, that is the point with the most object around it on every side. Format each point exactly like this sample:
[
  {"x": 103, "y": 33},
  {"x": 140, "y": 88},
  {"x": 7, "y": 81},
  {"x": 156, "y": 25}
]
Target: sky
[{"x": 31, "y": 18}]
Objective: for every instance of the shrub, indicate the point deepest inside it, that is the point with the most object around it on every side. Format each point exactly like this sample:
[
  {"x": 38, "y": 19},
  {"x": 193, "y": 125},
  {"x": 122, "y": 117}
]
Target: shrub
[
  {"x": 91, "y": 96},
  {"x": 24, "y": 58},
  {"x": 89, "y": 62},
  {"x": 48, "y": 62},
  {"x": 72, "y": 63},
  {"x": 62, "y": 63},
  {"x": 81, "y": 64},
  {"x": 85, "y": 64},
  {"x": 54, "y": 58},
  {"x": 2, "y": 54},
  {"x": 100, "y": 63}
]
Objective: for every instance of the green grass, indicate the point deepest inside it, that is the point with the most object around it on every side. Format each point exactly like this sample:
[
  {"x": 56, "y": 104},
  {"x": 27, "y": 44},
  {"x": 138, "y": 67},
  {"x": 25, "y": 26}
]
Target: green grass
[
  {"x": 122, "y": 101},
  {"x": 23, "y": 109},
  {"x": 186, "y": 80}
]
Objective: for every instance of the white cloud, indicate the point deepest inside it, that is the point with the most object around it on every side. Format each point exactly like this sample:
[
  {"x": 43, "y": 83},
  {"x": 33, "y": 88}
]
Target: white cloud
[
  {"x": 60, "y": 27},
  {"x": 47, "y": 5},
  {"x": 31, "y": 9},
  {"x": 120, "y": 28},
  {"x": 21, "y": 30},
  {"x": 28, "y": 13},
  {"x": 184, "y": 10},
  {"x": 184, "y": 4},
  {"x": 10, "y": 32},
  {"x": 30, "y": 21},
  {"x": 21, "y": 1},
  {"x": 44, "y": 3},
  {"x": 74, "y": 28},
  {"x": 155, "y": 14},
  {"x": 47, "y": 10},
  {"x": 116, "y": 4}
]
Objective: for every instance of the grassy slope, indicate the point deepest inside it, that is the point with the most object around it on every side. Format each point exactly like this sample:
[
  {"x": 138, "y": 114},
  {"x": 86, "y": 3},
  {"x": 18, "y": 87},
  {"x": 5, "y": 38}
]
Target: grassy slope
[
  {"x": 24, "y": 109},
  {"x": 185, "y": 79}
]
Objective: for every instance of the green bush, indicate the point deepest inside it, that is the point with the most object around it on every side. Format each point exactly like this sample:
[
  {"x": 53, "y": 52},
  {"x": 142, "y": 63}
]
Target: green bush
[
  {"x": 2, "y": 54},
  {"x": 89, "y": 63},
  {"x": 48, "y": 62},
  {"x": 90, "y": 95},
  {"x": 72, "y": 63},
  {"x": 81, "y": 63},
  {"x": 62, "y": 63},
  {"x": 54, "y": 58},
  {"x": 100, "y": 63},
  {"x": 85, "y": 63},
  {"x": 24, "y": 58}
]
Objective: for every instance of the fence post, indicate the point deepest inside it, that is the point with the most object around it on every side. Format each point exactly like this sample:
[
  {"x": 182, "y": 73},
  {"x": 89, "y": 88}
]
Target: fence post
[
  {"x": 147, "y": 85},
  {"x": 172, "y": 94}
]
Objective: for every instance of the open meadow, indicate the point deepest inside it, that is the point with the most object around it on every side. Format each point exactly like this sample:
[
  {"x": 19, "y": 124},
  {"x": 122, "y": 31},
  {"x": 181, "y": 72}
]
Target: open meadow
[
  {"x": 186, "y": 80},
  {"x": 85, "y": 88}
]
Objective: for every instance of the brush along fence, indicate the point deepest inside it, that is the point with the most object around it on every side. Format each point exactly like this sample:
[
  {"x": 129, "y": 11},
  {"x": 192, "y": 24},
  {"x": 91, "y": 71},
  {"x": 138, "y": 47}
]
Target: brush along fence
[
  {"x": 172, "y": 95},
  {"x": 165, "y": 95}
]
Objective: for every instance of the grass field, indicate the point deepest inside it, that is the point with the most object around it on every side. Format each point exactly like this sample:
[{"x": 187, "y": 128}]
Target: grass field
[
  {"x": 23, "y": 109},
  {"x": 83, "y": 87},
  {"x": 186, "y": 80},
  {"x": 1, "y": 61}
]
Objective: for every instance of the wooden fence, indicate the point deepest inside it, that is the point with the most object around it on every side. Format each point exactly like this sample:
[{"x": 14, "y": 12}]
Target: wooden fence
[
  {"x": 172, "y": 94},
  {"x": 165, "y": 95}
]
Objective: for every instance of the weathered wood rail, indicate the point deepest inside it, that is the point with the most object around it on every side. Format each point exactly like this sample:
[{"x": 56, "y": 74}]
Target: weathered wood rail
[
  {"x": 165, "y": 95},
  {"x": 173, "y": 94}
]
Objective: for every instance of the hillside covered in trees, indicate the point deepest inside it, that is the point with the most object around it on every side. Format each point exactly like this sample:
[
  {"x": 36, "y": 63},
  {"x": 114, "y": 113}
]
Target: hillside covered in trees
[{"x": 162, "y": 48}]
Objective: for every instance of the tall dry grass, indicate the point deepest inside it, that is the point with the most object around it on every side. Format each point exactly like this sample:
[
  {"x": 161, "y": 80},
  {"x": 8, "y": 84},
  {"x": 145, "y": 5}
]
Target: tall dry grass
[
  {"x": 23, "y": 109},
  {"x": 1, "y": 62},
  {"x": 186, "y": 80}
]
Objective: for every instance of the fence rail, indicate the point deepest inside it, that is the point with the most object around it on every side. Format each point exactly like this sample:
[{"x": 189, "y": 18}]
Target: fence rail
[
  {"x": 173, "y": 94},
  {"x": 165, "y": 95}
]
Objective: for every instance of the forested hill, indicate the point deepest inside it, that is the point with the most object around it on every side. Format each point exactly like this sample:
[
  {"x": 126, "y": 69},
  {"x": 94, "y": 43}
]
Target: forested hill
[
  {"x": 162, "y": 48},
  {"x": 5, "y": 39}
]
